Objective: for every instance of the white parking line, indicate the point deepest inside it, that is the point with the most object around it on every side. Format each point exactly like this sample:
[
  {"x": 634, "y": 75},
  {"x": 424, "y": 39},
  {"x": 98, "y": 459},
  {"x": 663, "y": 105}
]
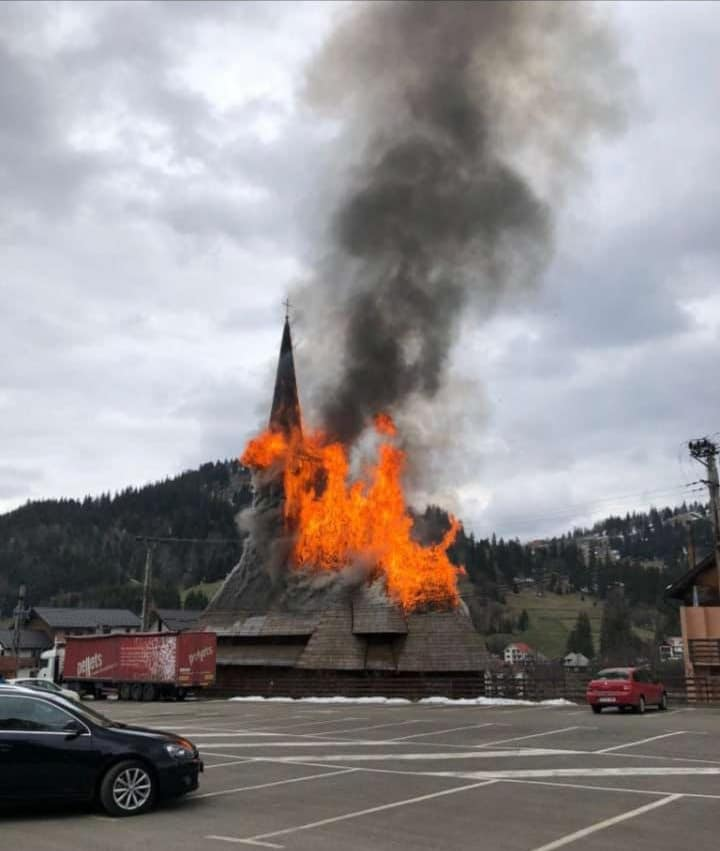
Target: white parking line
[
  {"x": 673, "y": 758},
  {"x": 590, "y": 771},
  {"x": 228, "y": 763},
  {"x": 243, "y": 734},
  {"x": 643, "y": 741},
  {"x": 323, "y": 743},
  {"x": 529, "y": 776},
  {"x": 602, "y": 825},
  {"x": 434, "y": 755},
  {"x": 254, "y": 840},
  {"x": 275, "y": 783},
  {"x": 621, "y": 789},
  {"x": 533, "y": 736},
  {"x": 371, "y": 727},
  {"x": 289, "y": 722},
  {"x": 440, "y": 732}
]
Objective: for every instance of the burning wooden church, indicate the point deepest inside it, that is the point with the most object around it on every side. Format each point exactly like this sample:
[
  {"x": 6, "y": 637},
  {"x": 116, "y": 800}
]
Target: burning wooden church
[{"x": 333, "y": 594}]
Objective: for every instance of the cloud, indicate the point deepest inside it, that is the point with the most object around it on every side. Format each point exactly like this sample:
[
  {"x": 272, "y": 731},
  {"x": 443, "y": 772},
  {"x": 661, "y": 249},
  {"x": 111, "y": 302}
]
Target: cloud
[{"x": 163, "y": 184}]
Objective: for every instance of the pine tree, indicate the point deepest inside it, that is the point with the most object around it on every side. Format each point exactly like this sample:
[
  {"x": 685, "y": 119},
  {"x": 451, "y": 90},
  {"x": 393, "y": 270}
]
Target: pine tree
[
  {"x": 580, "y": 639},
  {"x": 196, "y": 600},
  {"x": 523, "y": 621},
  {"x": 618, "y": 643}
]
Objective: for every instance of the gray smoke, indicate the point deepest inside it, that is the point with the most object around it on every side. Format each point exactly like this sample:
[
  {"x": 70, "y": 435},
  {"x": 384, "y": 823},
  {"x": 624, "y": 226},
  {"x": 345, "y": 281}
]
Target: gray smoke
[{"x": 463, "y": 122}]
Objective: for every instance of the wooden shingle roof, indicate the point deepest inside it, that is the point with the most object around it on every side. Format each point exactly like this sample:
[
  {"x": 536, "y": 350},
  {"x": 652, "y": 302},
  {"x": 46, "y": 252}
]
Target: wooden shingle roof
[
  {"x": 442, "y": 641},
  {"x": 333, "y": 645},
  {"x": 373, "y": 617}
]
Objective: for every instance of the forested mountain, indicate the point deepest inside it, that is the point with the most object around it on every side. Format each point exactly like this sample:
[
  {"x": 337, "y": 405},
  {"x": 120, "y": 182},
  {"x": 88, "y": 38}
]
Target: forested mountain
[
  {"x": 71, "y": 552},
  {"x": 84, "y": 552},
  {"x": 641, "y": 552}
]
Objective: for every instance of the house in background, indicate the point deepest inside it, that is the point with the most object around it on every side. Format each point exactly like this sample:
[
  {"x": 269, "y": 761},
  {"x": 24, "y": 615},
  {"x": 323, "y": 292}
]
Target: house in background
[
  {"x": 59, "y": 623},
  {"x": 698, "y": 591},
  {"x": 32, "y": 643},
  {"x": 518, "y": 652},
  {"x": 173, "y": 620},
  {"x": 576, "y": 662},
  {"x": 671, "y": 649}
]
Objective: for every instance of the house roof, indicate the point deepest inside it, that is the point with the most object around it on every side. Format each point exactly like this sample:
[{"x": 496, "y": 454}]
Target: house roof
[
  {"x": 576, "y": 659},
  {"x": 680, "y": 587},
  {"x": 30, "y": 639},
  {"x": 376, "y": 616},
  {"x": 442, "y": 641},
  {"x": 333, "y": 646},
  {"x": 178, "y": 620},
  {"x": 85, "y": 618},
  {"x": 521, "y": 646}
]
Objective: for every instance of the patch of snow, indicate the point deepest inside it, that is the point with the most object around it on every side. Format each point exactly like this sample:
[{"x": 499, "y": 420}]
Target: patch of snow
[
  {"x": 401, "y": 701},
  {"x": 387, "y": 701},
  {"x": 494, "y": 701}
]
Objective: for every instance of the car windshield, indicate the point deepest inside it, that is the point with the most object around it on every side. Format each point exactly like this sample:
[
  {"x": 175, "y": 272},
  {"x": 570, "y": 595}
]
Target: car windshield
[{"x": 613, "y": 674}]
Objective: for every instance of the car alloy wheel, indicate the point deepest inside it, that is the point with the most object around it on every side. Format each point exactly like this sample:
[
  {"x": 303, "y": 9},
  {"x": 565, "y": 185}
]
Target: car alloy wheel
[
  {"x": 132, "y": 789},
  {"x": 664, "y": 702},
  {"x": 128, "y": 788}
]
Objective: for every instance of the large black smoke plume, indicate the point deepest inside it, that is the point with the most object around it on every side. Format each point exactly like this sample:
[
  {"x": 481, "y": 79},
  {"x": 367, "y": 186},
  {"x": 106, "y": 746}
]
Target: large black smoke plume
[{"x": 462, "y": 122}]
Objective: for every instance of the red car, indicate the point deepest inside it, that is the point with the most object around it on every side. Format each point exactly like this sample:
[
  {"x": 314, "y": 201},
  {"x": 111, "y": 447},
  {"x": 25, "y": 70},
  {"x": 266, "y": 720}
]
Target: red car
[{"x": 626, "y": 688}]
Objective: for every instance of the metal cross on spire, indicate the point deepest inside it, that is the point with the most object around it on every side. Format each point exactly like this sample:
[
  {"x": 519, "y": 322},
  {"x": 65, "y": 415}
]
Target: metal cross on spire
[{"x": 287, "y": 306}]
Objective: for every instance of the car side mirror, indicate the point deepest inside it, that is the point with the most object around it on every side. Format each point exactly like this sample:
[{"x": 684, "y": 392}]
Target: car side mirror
[{"x": 73, "y": 729}]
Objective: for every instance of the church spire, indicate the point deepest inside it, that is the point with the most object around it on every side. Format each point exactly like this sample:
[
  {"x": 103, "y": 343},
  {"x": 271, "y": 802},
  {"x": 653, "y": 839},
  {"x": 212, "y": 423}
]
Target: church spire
[{"x": 285, "y": 411}]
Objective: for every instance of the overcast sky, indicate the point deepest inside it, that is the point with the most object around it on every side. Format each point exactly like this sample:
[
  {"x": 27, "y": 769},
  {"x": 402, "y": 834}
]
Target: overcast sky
[{"x": 159, "y": 177}]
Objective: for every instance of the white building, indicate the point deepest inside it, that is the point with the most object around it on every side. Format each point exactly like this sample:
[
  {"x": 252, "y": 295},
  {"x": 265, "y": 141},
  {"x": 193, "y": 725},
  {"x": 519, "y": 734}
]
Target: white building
[
  {"x": 518, "y": 652},
  {"x": 671, "y": 649},
  {"x": 576, "y": 661}
]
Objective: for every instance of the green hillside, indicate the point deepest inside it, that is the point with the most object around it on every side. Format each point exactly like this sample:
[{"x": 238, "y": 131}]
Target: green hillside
[{"x": 552, "y": 618}]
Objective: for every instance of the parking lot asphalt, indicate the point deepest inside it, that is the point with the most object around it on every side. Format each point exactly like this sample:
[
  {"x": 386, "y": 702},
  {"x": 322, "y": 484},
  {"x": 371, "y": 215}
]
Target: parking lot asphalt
[{"x": 307, "y": 776}]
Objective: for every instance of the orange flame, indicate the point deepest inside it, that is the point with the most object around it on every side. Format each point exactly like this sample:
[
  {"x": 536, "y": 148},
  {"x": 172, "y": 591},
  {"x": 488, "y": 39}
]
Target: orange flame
[{"x": 337, "y": 521}]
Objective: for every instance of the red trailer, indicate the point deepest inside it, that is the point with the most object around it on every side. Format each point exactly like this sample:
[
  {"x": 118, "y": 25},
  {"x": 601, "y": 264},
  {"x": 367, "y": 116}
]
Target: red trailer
[{"x": 140, "y": 666}]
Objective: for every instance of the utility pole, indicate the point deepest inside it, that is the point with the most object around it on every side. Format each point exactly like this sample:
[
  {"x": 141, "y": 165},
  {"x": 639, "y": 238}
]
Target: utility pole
[
  {"x": 151, "y": 541},
  {"x": 147, "y": 586},
  {"x": 20, "y": 614},
  {"x": 705, "y": 452}
]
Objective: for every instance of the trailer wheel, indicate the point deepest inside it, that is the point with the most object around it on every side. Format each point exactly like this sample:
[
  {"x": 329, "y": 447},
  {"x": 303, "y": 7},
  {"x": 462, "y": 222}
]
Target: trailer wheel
[
  {"x": 149, "y": 692},
  {"x": 136, "y": 691},
  {"x": 180, "y": 694},
  {"x": 124, "y": 691}
]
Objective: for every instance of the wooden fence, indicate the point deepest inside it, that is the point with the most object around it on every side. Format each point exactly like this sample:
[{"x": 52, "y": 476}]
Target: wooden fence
[{"x": 546, "y": 681}]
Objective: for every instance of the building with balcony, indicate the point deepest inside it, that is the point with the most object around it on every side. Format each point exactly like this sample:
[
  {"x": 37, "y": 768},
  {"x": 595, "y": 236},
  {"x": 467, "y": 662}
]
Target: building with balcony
[
  {"x": 698, "y": 592},
  {"x": 518, "y": 652}
]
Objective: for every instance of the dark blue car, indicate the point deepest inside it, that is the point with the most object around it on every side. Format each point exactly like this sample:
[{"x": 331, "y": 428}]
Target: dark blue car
[{"x": 53, "y": 748}]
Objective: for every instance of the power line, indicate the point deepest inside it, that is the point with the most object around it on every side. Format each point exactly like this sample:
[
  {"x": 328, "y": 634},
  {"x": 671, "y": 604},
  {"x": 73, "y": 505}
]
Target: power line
[
  {"x": 150, "y": 542},
  {"x": 585, "y": 508}
]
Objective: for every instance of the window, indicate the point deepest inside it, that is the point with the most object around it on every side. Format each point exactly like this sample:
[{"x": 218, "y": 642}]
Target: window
[
  {"x": 613, "y": 674},
  {"x": 40, "y": 685},
  {"x": 26, "y": 714}
]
